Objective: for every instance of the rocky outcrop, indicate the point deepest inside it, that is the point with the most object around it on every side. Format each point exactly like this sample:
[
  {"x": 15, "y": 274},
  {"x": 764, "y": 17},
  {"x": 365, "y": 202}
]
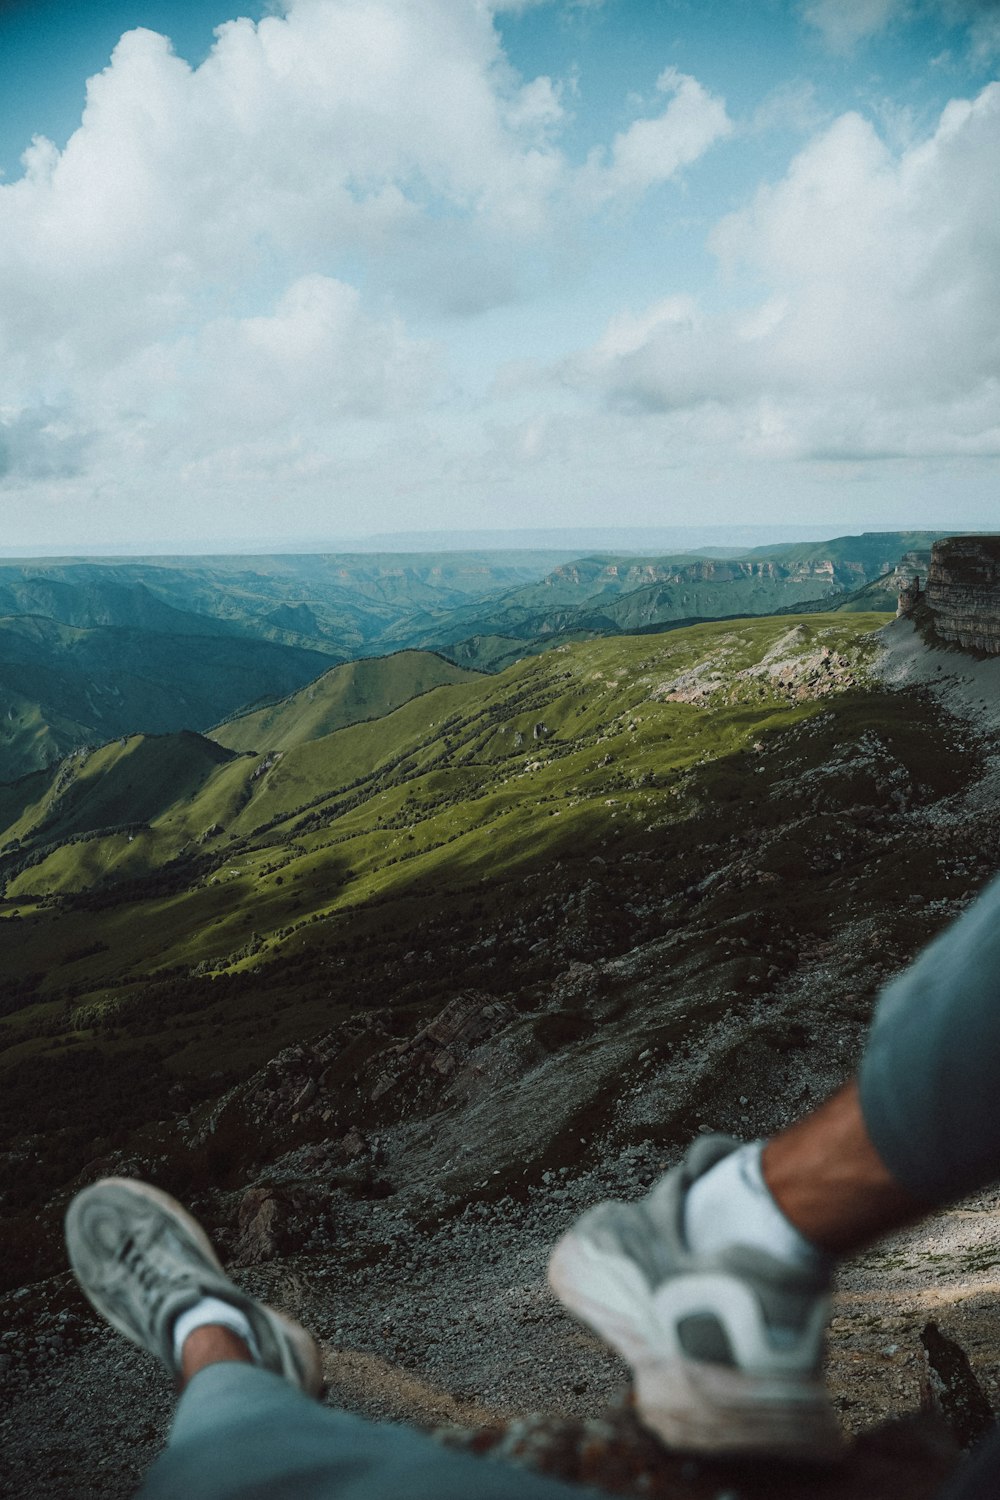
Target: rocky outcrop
[
  {"x": 963, "y": 592},
  {"x": 443, "y": 1044},
  {"x": 911, "y": 595},
  {"x": 950, "y": 1391},
  {"x": 789, "y": 671},
  {"x": 259, "y": 1226}
]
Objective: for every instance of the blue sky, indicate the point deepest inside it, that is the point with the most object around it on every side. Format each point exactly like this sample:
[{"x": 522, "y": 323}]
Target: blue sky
[{"x": 337, "y": 266}]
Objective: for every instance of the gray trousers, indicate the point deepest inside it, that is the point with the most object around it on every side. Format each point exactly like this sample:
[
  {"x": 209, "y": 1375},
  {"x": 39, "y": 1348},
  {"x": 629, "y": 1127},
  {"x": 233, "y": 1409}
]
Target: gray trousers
[
  {"x": 242, "y": 1433},
  {"x": 930, "y": 1091},
  {"x": 930, "y": 1076}
]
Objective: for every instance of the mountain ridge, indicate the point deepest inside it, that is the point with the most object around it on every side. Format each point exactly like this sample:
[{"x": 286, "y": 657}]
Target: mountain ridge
[
  {"x": 346, "y": 694},
  {"x": 277, "y": 622}
]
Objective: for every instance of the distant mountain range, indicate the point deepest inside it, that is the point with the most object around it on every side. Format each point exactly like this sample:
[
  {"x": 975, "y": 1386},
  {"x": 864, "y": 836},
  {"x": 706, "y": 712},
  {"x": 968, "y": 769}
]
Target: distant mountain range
[
  {"x": 62, "y": 686},
  {"x": 621, "y": 594},
  {"x": 90, "y": 651},
  {"x": 93, "y": 650}
]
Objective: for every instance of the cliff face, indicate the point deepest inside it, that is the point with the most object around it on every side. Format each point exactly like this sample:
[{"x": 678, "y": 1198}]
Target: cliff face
[
  {"x": 963, "y": 592},
  {"x": 616, "y": 576}
]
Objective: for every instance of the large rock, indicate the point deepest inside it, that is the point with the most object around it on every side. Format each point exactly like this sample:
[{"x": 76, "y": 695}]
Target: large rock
[
  {"x": 963, "y": 592},
  {"x": 260, "y": 1227}
]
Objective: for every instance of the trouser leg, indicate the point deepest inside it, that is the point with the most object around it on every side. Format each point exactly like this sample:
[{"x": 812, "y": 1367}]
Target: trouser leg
[
  {"x": 930, "y": 1077},
  {"x": 930, "y": 1091},
  {"x": 242, "y": 1433}
]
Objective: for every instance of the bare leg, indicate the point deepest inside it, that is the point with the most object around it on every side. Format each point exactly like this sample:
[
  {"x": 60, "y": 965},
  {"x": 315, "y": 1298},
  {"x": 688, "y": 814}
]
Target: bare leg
[
  {"x": 828, "y": 1180},
  {"x": 211, "y": 1345}
]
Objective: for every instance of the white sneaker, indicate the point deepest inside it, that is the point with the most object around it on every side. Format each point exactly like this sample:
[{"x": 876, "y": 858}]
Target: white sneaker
[
  {"x": 726, "y": 1349},
  {"x": 142, "y": 1261}
]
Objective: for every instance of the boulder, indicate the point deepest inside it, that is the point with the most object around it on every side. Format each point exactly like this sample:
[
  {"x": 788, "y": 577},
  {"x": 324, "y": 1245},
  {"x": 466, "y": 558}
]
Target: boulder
[{"x": 260, "y": 1225}]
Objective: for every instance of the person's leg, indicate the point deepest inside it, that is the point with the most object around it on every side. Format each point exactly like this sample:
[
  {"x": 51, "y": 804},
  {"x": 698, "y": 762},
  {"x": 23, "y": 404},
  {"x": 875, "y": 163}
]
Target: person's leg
[
  {"x": 829, "y": 1181},
  {"x": 245, "y": 1426},
  {"x": 920, "y": 1125},
  {"x": 242, "y": 1433},
  {"x": 714, "y": 1287},
  {"x": 208, "y": 1344},
  {"x": 930, "y": 1077}
]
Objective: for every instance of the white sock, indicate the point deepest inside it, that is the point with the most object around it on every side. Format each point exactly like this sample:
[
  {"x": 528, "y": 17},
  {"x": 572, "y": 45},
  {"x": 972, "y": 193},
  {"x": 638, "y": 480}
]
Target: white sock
[
  {"x": 732, "y": 1205},
  {"x": 224, "y": 1315}
]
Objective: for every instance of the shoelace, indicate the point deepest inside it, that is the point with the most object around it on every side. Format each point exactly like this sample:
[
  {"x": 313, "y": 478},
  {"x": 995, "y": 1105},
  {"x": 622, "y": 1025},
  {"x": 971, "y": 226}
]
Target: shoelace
[{"x": 133, "y": 1260}]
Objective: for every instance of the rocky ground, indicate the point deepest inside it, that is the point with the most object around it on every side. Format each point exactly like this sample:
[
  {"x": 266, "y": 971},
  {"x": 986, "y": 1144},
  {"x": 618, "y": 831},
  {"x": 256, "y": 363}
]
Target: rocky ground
[
  {"x": 455, "y": 1328},
  {"x": 409, "y": 1227}
]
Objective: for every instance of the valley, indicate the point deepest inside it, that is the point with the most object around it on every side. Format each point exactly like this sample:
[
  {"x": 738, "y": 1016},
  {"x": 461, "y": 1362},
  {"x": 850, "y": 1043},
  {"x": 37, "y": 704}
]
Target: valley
[
  {"x": 391, "y": 977},
  {"x": 92, "y": 650}
]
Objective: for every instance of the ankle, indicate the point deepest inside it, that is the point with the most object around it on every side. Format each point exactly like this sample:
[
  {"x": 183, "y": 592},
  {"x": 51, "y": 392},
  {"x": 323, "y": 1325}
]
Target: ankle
[
  {"x": 731, "y": 1205},
  {"x": 214, "y": 1313},
  {"x": 211, "y": 1344}
]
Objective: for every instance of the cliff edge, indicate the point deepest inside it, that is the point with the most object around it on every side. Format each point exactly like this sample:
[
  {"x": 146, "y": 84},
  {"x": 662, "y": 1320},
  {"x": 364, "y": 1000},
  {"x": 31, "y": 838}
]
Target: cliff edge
[{"x": 961, "y": 601}]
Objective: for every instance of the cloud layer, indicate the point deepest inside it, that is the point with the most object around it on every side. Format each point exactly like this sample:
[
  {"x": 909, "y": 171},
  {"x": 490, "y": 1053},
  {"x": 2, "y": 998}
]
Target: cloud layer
[
  {"x": 879, "y": 330},
  {"x": 172, "y": 278},
  {"x": 273, "y": 280}
]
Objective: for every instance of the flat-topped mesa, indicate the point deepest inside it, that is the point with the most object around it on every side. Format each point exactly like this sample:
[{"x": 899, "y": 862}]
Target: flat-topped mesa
[{"x": 963, "y": 592}]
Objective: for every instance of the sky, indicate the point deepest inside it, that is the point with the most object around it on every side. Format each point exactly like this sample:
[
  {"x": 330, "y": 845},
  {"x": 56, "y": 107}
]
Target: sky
[{"x": 323, "y": 268}]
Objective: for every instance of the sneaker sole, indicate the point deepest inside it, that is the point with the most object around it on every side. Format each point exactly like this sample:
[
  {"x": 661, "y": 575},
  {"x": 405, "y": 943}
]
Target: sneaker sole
[
  {"x": 689, "y": 1404},
  {"x": 301, "y": 1360}
]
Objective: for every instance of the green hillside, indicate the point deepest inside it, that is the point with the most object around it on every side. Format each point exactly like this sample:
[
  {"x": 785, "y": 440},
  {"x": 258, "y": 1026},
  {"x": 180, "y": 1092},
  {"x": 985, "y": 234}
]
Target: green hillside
[
  {"x": 480, "y": 779},
  {"x": 63, "y": 686},
  {"x": 366, "y": 689},
  {"x": 128, "y": 781}
]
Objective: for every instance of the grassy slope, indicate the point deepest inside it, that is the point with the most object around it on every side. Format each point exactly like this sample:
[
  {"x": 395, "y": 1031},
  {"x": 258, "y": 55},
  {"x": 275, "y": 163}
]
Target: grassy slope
[
  {"x": 367, "y": 689},
  {"x": 63, "y": 685},
  {"x": 131, "y": 780},
  {"x": 696, "y": 788},
  {"x": 451, "y": 788}
]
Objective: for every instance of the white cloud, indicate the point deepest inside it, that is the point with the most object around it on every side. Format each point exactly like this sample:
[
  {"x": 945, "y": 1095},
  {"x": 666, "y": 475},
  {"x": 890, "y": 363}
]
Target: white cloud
[
  {"x": 651, "y": 151},
  {"x": 286, "y": 390},
  {"x": 789, "y": 106},
  {"x": 39, "y": 443},
  {"x": 880, "y": 332},
  {"x": 342, "y": 128},
  {"x": 216, "y": 261},
  {"x": 844, "y": 23},
  {"x": 317, "y": 353}
]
